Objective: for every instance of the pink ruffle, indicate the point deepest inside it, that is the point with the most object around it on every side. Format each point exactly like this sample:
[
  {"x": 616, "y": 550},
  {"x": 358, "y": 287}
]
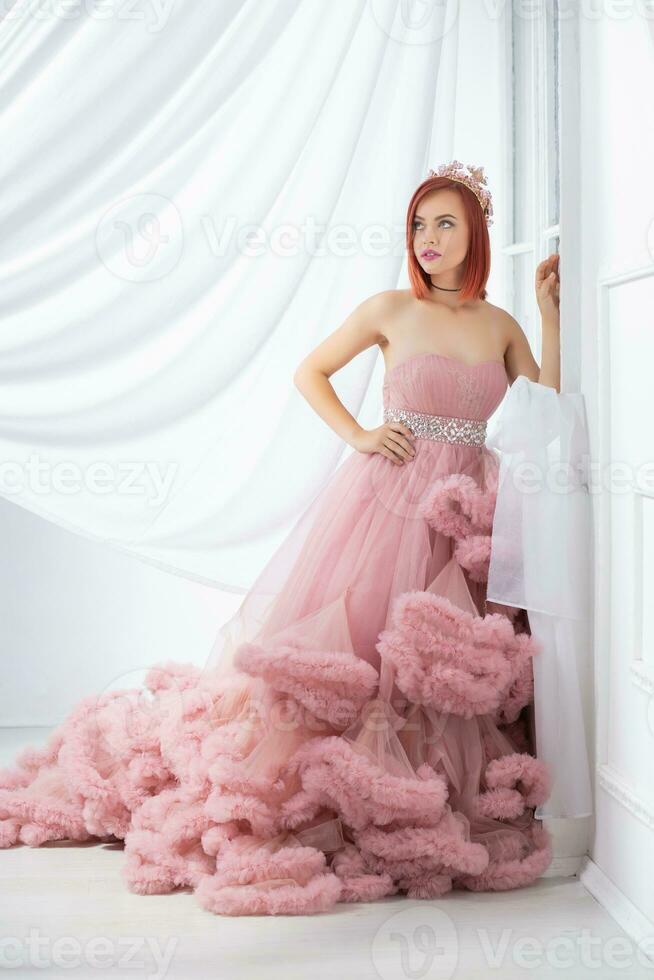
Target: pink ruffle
[
  {"x": 452, "y": 659},
  {"x": 458, "y": 506},
  {"x": 371, "y": 738},
  {"x": 473, "y": 553}
]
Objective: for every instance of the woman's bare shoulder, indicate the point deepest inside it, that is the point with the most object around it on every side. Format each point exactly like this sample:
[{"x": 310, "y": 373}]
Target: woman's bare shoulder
[
  {"x": 505, "y": 325},
  {"x": 499, "y": 315},
  {"x": 388, "y": 299},
  {"x": 383, "y": 308},
  {"x": 392, "y": 304},
  {"x": 392, "y": 301}
]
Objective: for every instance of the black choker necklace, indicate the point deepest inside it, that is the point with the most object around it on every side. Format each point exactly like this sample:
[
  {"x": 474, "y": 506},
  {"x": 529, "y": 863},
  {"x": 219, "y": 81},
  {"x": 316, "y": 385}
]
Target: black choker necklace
[{"x": 458, "y": 288}]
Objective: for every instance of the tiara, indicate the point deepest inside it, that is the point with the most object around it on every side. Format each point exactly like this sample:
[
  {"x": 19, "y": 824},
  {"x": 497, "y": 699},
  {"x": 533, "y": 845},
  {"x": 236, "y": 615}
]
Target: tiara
[{"x": 474, "y": 178}]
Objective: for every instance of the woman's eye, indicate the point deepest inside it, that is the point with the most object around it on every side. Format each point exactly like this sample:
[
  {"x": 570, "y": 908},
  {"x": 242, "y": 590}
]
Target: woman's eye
[{"x": 445, "y": 221}]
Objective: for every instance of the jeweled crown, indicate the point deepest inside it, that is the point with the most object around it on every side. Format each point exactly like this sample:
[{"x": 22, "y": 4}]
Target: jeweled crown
[{"x": 472, "y": 177}]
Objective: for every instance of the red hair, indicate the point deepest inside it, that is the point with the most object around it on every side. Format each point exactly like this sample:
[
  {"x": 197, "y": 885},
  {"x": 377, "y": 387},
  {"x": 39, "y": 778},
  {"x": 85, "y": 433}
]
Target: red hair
[{"x": 477, "y": 266}]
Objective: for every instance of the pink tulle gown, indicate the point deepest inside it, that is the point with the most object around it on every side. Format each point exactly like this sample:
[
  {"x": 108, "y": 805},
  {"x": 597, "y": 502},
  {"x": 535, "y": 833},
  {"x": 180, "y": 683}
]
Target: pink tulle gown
[{"x": 370, "y": 733}]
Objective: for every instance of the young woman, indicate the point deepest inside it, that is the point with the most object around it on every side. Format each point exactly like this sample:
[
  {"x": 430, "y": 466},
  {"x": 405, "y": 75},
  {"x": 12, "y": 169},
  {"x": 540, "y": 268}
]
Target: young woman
[{"x": 362, "y": 726}]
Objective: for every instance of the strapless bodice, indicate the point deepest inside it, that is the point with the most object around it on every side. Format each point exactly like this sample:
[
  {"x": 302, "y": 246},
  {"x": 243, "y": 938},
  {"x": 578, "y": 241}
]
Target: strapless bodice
[{"x": 441, "y": 385}]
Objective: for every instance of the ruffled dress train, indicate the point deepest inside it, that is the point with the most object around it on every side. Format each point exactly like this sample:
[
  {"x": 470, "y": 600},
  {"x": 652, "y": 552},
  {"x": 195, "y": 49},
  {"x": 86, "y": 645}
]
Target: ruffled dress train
[{"x": 365, "y": 727}]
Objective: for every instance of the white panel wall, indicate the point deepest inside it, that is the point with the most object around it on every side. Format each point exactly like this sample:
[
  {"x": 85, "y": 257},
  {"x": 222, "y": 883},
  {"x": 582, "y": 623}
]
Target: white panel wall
[{"x": 617, "y": 313}]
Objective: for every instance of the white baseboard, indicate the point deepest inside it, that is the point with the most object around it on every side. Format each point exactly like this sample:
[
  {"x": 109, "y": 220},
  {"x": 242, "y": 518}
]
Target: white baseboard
[{"x": 619, "y": 907}]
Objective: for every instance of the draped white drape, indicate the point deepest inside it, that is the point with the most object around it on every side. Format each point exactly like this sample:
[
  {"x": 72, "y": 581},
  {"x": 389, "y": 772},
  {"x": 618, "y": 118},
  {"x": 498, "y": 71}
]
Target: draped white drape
[
  {"x": 540, "y": 561},
  {"x": 194, "y": 195}
]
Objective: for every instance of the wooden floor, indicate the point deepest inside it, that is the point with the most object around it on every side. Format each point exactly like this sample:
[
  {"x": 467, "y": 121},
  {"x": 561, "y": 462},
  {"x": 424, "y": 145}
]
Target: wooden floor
[{"x": 65, "y": 911}]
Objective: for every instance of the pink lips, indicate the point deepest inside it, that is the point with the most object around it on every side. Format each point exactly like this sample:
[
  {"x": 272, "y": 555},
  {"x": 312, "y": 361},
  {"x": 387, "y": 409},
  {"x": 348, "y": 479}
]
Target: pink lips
[{"x": 430, "y": 254}]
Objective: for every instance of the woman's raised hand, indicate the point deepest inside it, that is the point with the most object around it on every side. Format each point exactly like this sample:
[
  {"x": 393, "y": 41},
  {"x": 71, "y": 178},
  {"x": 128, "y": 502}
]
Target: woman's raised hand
[{"x": 547, "y": 287}]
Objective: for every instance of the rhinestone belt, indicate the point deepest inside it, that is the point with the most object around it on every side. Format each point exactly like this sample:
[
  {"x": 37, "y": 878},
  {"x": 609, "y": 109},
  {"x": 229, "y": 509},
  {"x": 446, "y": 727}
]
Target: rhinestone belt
[{"x": 444, "y": 428}]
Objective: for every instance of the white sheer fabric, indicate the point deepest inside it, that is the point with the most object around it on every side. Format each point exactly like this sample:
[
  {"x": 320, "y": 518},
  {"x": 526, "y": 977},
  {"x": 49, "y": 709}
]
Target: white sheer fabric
[
  {"x": 148, "y": 347},
  {"x": 540, "y": 562}
]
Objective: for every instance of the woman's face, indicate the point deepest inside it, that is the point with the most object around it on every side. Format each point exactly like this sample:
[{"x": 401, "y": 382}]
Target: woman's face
[{"x": 440, "y": 229}]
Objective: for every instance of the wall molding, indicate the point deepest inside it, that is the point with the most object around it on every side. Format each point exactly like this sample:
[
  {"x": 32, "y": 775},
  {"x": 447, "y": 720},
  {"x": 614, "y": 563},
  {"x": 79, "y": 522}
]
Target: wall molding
[
  {"x": 617, "y": 787},
  {"x": 616, "y": 903},
  {"x": 640, "y": 673}
]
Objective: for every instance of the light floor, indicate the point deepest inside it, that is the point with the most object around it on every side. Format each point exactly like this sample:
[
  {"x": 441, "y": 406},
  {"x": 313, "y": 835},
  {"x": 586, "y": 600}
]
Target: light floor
[{"x": 65, "y": 911}]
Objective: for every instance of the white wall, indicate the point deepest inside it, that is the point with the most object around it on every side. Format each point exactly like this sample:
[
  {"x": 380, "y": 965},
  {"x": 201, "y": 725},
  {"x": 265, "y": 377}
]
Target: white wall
[{"x": 617, "y": 303}]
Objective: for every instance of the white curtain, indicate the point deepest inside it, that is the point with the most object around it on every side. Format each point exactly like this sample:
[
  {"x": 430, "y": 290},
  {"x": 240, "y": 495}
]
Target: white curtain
[
  {"x": 147, "y": 345},
  {"x": 540, "y": 561}
]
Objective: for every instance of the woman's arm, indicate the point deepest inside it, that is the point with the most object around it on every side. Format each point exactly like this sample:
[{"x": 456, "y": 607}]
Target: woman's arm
[
  {"x": 360, "y": 330},
  {"x": 547, "y": 293},
  {"x": 518, "y": 356}
]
